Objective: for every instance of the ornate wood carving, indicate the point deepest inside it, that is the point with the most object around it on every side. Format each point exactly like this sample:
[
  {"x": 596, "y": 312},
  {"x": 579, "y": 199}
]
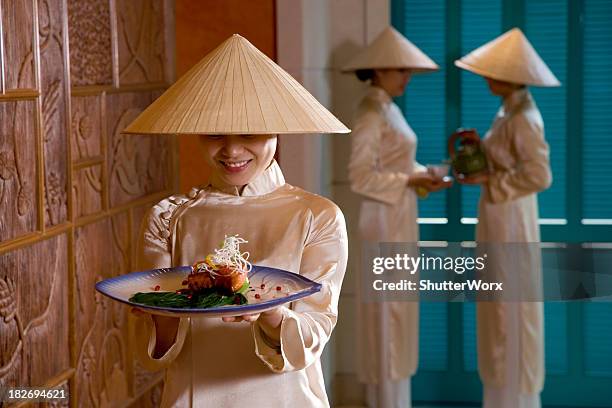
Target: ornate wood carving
[
  {"x": 86, "y": 127},
  {"x": 34, "y": 312},
  {"x": 102, "y": 364},
  {"x": 53, "y": 89},
  {"x": 90, "y": 42},
  {"x": 17, "y": 169},
  {"x": 61, "y": 154},
  {"x": 138, "y": 165},
  {"x": 87, "y": 190},
  {"x": 141, "y": 41},
  {"x": 19, "y": 58}
]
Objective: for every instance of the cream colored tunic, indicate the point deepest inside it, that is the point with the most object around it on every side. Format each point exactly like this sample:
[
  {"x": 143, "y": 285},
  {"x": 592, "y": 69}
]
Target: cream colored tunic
[
  {"x": 217, "y": 364},
  {"x": 508, "y": 213},
  {"x": 382, "y": 158}
]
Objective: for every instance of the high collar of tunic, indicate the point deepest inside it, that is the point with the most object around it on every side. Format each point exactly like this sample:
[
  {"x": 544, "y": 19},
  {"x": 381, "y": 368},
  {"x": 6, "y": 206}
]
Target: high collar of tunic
[
  {"x": 379, "y": 94},
  {"x": 271, "y": 179},
  {"x": 516, "y": 100}
]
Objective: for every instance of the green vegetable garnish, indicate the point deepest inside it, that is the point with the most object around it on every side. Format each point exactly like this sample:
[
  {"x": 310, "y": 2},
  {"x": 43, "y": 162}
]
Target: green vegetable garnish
[
  {"x": 204, "y": 299},
  {"x": 244, "y": 287}
]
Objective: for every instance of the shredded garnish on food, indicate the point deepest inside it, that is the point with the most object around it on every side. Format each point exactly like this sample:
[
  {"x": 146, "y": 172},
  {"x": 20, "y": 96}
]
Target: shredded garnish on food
[
  {"x": 229, "y": 255},
  {"x": 219, "y": 280}
]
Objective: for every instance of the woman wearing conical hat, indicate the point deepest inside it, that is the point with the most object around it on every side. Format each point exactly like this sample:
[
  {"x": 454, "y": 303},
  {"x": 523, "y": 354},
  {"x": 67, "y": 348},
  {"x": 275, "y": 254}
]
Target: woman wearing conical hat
[
  {"x": 238, "y": 100},
  {"x": 384, "y": 171},
  {"x": 510, "y": 335}
]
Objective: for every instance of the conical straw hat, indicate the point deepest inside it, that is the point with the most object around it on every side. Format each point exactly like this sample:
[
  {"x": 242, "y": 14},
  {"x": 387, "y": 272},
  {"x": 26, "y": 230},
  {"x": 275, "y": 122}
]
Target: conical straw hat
[
  {"x": 391, "y": 50},
  {"x": 236, "y": 89},
  {"x": 511, "y": 58}
]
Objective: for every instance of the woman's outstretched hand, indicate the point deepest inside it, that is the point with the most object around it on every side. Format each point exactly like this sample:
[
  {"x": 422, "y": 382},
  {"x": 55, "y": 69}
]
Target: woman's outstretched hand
[
  {"x": 269, "y": 322},
  {"x": 271, "y": 318},
  {"x": 441, "y": 183},
  {"x": 428, "y": 181},
  {"x": 244, "y": 318}
]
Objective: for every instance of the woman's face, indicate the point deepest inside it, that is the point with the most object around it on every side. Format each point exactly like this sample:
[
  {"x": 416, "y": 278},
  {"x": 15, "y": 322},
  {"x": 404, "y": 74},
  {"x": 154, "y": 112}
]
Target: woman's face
[
  {"x": 235, "y": 160},
  {"x": 393, "y": 81},
  {"x": 501, "y": 88}
]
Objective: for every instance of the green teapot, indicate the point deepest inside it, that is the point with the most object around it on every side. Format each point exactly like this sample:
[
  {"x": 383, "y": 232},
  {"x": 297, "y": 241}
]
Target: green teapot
[{"x": 468, "y": 159}]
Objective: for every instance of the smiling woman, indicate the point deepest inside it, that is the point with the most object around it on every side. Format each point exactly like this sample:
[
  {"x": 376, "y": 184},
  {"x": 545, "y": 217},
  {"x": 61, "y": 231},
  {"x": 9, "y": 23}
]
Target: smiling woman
[
  {"x": 384, "y": 171},
  {"x": 235, "y": 159},
  {"x": 237, "y": 100}
]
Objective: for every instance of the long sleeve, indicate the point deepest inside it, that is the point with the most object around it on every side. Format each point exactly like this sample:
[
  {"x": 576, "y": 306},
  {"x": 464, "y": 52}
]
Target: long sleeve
[
  {"x": 531, "y": 172},
  {"x": 418, "y": 168},
  {"x": 154, "y": 251},
  {"x": 307, "y": 325},
  {"x": 365, "y": 174}
]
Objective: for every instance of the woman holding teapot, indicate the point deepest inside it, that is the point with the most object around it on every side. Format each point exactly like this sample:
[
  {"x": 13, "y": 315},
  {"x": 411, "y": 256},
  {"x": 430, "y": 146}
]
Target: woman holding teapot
[{"x": 510, "y": 334}]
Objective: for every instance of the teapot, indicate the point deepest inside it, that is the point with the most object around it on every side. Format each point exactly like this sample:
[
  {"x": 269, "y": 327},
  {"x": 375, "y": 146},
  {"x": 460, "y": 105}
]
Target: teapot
[{"x": 468, "y": 159}]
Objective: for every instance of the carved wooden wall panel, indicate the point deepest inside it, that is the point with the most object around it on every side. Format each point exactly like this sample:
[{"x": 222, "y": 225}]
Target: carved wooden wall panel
[
  {"x": 91, "y": 56},
  {"x": 138, "y": 165},
  {"x": 87, "y": 190},
  {"x": 18, "y": 31},
  {"x": 17, "y": 169},
  {"x": 140, "y": 61},
  {"x": 87, "y": 127},
  {"x": 54, "y": 108},
  {"x": 73, "y": 191},
  {"x": 101, "y": 337},
  {"x": 34, "y": 312}
]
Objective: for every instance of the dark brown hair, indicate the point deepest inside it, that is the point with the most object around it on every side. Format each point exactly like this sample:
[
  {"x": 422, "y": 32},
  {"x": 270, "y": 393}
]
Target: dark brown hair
[{"x": 365, "y": 74}]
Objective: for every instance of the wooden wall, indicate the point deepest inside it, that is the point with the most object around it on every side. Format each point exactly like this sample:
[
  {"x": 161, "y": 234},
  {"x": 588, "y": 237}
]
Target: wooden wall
[{"x": 73, "y": 191}]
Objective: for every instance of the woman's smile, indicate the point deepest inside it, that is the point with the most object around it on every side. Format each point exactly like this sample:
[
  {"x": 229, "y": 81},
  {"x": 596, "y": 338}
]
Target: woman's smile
[
  {"x": 235, "y": 166},
  {"x": 236, "y": 160}
]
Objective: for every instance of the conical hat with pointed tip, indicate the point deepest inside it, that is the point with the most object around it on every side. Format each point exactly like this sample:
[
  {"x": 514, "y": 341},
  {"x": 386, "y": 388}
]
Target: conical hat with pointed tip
[
  {"x": 391, "y": 50},
  {"x": 236, "y": 89},
  {"x": 511, "y": 58}
]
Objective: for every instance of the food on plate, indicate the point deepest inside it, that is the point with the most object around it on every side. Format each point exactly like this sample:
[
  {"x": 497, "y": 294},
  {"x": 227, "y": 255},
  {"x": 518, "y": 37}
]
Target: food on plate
[
  {"x": 225, "y": 270},
  {"x": 220, "y": 279}
]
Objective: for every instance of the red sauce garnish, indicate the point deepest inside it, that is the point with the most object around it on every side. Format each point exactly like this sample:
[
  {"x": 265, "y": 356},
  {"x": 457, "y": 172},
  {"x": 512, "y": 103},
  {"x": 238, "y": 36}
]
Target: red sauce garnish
[
  {"x": 263, "y": 286},
  {"x": 278, "y": 288},
  {"x": 157, "y": 287},
  {"x": 257, "y": 296}
]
